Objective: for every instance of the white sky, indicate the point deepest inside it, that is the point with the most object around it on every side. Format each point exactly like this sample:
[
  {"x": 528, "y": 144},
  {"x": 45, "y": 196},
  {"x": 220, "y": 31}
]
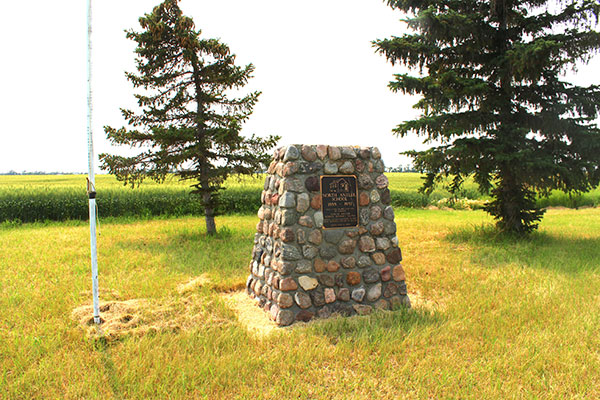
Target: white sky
[{"x": 320, "y": 78}]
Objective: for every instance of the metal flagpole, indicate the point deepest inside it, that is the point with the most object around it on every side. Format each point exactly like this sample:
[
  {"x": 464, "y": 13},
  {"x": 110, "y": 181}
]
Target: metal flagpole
[{"x": 91, "y": 187}]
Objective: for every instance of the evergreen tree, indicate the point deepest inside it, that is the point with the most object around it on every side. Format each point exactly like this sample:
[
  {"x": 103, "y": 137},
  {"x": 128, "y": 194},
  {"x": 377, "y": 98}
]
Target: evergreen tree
[
  {"x": 490, "y": 74},
  {"x": 189, "y": 125}
]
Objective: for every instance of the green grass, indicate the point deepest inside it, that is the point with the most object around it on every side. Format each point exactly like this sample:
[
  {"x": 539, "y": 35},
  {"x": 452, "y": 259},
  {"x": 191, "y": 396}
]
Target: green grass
[
  {"x": 501, "y": 318},
  {"x": 59, "y": 197}
]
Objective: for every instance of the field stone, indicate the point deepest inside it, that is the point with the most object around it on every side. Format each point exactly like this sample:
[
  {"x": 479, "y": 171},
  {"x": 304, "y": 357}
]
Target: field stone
[
  {"x": 382, "y": 182},
  {"x": 347, "y": 246},
  {"x": 309, "y": 168},
  {"x": 290, "y": 253},
  {"x": 348, "y": 152},
  {"x": 333, "y": 266},
  {"x": 285, "y": 300},
  {"x": 290, "y": 168},
  {"x": 308, "y": 153},
  {"x": 375, "y": 213},
  {"x": 353, "y": 278},
  {"x": 307, "y": 283},
  {"x": 389, "y": 227},
  {"x": 291, "y": 153},
  {"x": 343, "y": 294},
  {"x": 402, "y": 287},
  {"x": 302, "y": 202},
  {"x": 364, "y": 153},
  {"x": 348, "y": 262},
  {"x": 374, "y": 292},
  {"x": 304, "y": 315},
  {"x": 366, "y": 244},
  {"x": 334, "y": 153},
  {"x": 285, "y": 317},
  {"x": 398, "y": 273},
  {"x": 358, "y": 294},
  {"x": 288, "y": 217},
  {"x": 339, "y": 280},
  {"x": 305, "y": 221},
  {"x": 320, "y": 265},
  {"x": 315, "y": 202},
  {"x": 318, "y": 219},
  {"x": 386, "y": 196},
  {"x": 390, "y": 290},
  {"x": 287, "y": 235},
  {"x": 382, "y": 243},
  {"x": 365, "y": 182},
  {"x": 364, "y": 261},
  {"x": 388, "y": 213},
  {"x": 322, "y": 151},
  {"x": 309, "y": 251},
  {"x": 315, "y": 237},
  {"x": 362, "y": 309},
  {"x": 288, "y": 284},
  {"x": 312, "y": 184},
  {"x": 288, "y": 200},
  {"x": 329, "y": 295},
  {"x": 370, "y": 275},
  {"x": 363, "y": 199},
  {"x": 386, "y": 273},
  {"x": 304, "y": 267},
  {"x": 378, "y": 258},
  {"x": 330, "y": 168},
  {"x": 375, "y": 153},
  {"x": 300, "y": 236},
  {"x": 318, "y": 297},
  {"x": 363, "y": 216},
  {"x": 382, "y": 305},
  {"x": 333, "y": 235},
  {"x": 324, "y": 312},
  {"x": 394, "y": 256},
  {"x": 327, "y": 251},
  {"x": 377, "y": 228},
  {"x": 303, "y": 300},
  {"x": 326, "y": 280},
  {"x": 346, "y": 168},
  {"x": 374, "y": 196},
  {"x": 342, "y": 309}
]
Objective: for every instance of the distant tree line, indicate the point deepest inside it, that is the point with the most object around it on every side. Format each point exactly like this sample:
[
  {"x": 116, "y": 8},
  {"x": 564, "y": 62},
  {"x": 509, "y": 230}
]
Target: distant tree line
[{"x": 12, "y": 172}]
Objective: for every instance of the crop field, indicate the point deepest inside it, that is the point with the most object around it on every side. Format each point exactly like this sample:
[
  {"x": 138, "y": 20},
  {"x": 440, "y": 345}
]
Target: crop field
[
  {"x": 492, "y": 317},
  {"x": 62, "y": 197}
]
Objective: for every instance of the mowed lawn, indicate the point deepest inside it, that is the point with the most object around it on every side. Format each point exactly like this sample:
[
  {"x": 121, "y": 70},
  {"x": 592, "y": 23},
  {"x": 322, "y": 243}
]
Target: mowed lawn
[{"x": 492, "y": 317}]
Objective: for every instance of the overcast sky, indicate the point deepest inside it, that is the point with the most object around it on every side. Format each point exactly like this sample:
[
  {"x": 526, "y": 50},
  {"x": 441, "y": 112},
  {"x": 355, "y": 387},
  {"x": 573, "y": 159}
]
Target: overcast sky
[{"x": 320, "y": 78}]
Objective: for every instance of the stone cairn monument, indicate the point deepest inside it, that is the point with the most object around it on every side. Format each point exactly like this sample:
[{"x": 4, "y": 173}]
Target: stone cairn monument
[{"x": 326, "y": 240}]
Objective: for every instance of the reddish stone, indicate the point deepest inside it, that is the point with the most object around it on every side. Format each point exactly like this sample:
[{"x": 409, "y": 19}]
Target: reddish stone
[
  {"x": 308, "y": 153},
  {"x": 329, "y": 295},
  {"x": 353, "y": 278},
  {"x": 333, "y": 266},
  {"x": 363, "y": 199},
  {"x": 320, "y": 265},
  {"x": 378, "y": 258},
  {"x": 315, "y": 202},
  {"x": 259, "y": 227},
  {"x": 272, "y": 167},
  {"x": 275, "y": 199},
  {"x": 377, "y": 228},
  {"x": 359, "y": 165},
  {"x": 287, "y": 235},
  {"x": 398, "y": 273},
  {"x": 313, "y": 184},
  {"x": 290, "y": 168},
  {"x": 285, "y": 300},
  {"x": 362, "y": 230},
  {"x": 288, "y": 284},
  {"x": 390, "y": 290},
  {"x": 322, "y": 150},
  {"x": 347, "y": 246},
  {"x": 386, "y": 273},
  {"x": 394, "y": 256},
  {"x": 366, "y": 244}
]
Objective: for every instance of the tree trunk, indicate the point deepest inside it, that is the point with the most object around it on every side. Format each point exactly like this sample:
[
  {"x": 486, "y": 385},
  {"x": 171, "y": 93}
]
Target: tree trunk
[{"x": 209, "y": 214}]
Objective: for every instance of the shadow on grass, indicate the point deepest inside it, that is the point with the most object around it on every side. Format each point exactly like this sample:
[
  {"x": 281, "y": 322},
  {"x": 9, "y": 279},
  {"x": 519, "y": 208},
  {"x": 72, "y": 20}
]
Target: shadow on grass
[
  {"x": 560, "y": 253},
  {"x": 377, "y": 329}
]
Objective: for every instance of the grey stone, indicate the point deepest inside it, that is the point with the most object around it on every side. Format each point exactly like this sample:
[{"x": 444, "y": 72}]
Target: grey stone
[
  {"x": 346, "y": 168},
  {"x": 342, "y": 309},
  {"x": 324, "y": 312},
  {"x": 365, "y": 182},
  {"x": 286, "y": 267},
  {"x": 327, "y": 251},
  {"x": 377, "y": 228},
  {"x": 362, "y": 309},
  {"x": 292, "y": 153},
  {"x": 348, "y": 152},
  {"x": 343, "y": 294},
  {"x": 364, "y": 216},
  {"x": 322, "y": 150},
  {"x": 304, "y": 267},
  {"x": 390, "y": 289},
  {"x": 300, "y": 236},
  {"x": 318, "y": 297},
  {"x": 389, "y": 227},
  {"x": 364, "y": 153},
  {"x": 374, "y": 292},
  {"x": 315, "y": 237},
  {"x": 303, "y": 300},
  {"x": 375, "y": 213},
  {"x": 402, "y": 287},
  {"x": 309, "y": 168},
  {"x": 382, "y": 243},
  {"x": 326, "y": 280},
  {"x": 378, "y": 166},
  {"x": 358, "y": 294},
  {"x": 388, "y": 213},
  {"x": 366, "y": 244},
  {"x": 370, "y": 275},
  {"x": 309, "y": 251},
  {"x": 288, "y": 200},
  {"x": 304, "y": 315},
  {"x": 364, "y": 261},
  {"x": 374, "y": 196},
  {"x": 306, "y": 221},
  {"x": 291, "y": 185},
  {"x": 318, "y": 217},
  {"x": 381, "y": 182},
  {"x": 375, "y": 152},
  {"x": 267, "y": 182},
  {"x": 333, "y": 235},
  {"x": 386, "y": 196},
  {"x": 347, "y": 246},
  {"x": 302, "y": 202},
  {"x": 285, "y": 317},
  {"x": 330, "y": 168},
  {"x": 349, "y": 262},
  {"x": 394, "y": 241},
  {"x": 290, "y": 253},
  {"x": 288, "y": 217},
  {"x": 339, "y": 280}
]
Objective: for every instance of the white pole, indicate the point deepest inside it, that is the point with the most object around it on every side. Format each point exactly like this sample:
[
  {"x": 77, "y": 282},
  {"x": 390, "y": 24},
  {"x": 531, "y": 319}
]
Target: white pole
[{"x": 91, "y": 178}]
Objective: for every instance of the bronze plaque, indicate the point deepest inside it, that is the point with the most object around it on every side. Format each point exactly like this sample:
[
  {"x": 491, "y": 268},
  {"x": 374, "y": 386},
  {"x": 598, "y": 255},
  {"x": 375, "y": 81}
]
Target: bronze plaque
[{"x": 339, "y": 201}]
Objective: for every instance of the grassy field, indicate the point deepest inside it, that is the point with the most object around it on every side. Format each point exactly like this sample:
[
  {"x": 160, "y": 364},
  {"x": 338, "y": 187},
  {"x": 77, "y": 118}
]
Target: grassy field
[
  {"x": 62, "y": 197},
  {"x": 492, "y": 317}
]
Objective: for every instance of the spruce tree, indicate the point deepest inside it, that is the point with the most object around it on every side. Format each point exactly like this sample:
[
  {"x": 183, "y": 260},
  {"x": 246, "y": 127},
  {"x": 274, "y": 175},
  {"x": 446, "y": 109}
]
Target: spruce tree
[
  {"x": 494, "y": 99},
  {"x": 189, "y": 124}
]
